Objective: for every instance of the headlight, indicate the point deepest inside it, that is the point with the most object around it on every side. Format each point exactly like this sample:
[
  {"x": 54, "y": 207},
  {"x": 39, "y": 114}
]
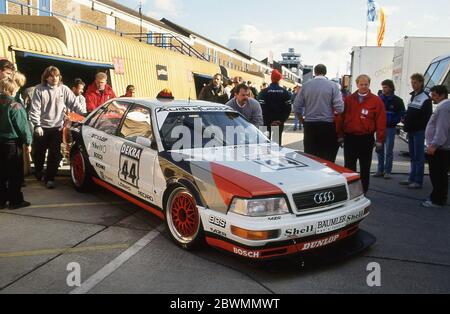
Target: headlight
[
  {"x": 260, "y": 207},
  {"x": 355, "y": 189}
]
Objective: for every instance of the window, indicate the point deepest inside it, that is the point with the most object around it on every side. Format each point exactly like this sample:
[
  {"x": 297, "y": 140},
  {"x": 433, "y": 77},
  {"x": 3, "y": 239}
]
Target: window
[
  {"x": 150, "y": 38},
  {"x": 3, "y": 7},
  {"x": 137, "y": 123},
  {"x": 45, "y": 7},
  {"x": 447, "y": 81},
  {"x": 109, "y": 120},
  {"x": 438, "y": 74}
]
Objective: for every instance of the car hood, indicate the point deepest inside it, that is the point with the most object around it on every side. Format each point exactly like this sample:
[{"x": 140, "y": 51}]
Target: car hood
[{"x": 261, "y": 169}]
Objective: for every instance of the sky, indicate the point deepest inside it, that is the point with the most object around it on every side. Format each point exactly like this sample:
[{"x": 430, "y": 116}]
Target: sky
[{"x": 322, "y": 31}]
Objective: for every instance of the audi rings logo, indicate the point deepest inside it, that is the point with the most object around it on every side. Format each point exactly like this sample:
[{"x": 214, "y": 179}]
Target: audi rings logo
[{"x": 324, "y": 198}]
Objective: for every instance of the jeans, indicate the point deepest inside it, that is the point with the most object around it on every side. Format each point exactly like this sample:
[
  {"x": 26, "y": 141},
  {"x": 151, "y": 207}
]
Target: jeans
[
  {"x": 416, "y": 141},
  {"x": 386, "y": 158}
]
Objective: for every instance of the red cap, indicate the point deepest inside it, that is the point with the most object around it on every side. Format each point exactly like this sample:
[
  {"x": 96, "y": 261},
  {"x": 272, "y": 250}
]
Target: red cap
[{"x": 276, "y": 76}]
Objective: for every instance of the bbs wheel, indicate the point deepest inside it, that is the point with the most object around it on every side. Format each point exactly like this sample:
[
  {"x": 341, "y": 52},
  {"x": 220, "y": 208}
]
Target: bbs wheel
[
  {"x": 183, "y": 219},
  {"x": 79, "y": 171}
]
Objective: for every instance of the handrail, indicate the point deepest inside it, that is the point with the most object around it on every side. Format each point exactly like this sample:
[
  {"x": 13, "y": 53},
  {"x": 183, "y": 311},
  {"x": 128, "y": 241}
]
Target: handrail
[{"x": 182, "y": 47}]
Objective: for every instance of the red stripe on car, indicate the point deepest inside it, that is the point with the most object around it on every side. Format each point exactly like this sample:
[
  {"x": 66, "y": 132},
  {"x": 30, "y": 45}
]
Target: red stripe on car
[
  {"x": 350, "y": 175},
  {"x": 231, "y": 182},
  {"x": 128, "y": 198}
]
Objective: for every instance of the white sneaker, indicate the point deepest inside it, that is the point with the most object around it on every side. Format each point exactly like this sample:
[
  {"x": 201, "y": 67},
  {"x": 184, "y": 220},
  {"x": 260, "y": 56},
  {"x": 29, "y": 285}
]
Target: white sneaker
[
  {"x": 414, "y": 186},
  {"x": 430, "y": 204}
]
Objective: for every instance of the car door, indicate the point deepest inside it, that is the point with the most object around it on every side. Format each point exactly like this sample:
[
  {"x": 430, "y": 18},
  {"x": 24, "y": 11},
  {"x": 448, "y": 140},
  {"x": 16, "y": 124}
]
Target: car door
[
  {"x": 136, "y": 159},
  {"x": 100, "y": 138}
]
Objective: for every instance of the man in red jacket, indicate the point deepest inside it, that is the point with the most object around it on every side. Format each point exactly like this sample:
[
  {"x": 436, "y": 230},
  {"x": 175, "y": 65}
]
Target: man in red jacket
[
  {"x": 364, "y": 115},
  {"x": 98, "y": 92}
]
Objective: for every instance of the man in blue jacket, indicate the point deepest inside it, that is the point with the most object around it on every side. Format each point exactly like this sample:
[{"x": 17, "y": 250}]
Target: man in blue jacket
[
  {"x": 276, "y": 105},
  {"x": 395, "y": 110}
]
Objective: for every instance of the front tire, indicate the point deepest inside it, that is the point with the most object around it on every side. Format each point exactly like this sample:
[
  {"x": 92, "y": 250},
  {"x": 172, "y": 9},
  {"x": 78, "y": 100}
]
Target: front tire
[
  {"x": 183, "y": 220},
  {"x": 79, "y": 171}
]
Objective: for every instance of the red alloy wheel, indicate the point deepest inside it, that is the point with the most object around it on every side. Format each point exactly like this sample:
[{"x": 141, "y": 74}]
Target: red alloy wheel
[{"x": 185, "y": 215}]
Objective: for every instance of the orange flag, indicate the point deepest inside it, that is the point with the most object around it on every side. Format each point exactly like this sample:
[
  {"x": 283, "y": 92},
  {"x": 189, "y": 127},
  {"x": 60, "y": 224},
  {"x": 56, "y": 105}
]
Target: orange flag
[{"x": 382, "y": 28}]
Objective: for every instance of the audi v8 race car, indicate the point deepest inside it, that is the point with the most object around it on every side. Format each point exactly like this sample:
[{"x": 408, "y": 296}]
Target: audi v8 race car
[{"x": 214, "y": 177}]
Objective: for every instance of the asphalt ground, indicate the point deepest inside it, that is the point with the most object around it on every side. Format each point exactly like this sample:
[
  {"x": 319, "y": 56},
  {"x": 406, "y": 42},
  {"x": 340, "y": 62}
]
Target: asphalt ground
[{"x": 123, "y": 249}]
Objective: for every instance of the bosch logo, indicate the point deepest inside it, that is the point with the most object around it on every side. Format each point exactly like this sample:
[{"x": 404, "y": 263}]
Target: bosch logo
[{"x": 324, "y": 198}]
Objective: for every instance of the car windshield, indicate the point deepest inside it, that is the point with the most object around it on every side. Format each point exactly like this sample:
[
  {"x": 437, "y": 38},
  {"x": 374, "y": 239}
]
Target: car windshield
[{"x": 187, "y": 130}]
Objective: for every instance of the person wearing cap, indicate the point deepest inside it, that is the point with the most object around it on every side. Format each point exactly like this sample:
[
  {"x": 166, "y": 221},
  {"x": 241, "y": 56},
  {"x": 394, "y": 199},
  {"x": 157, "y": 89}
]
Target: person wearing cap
[
  {"x": 276, "y": 106},
  {"x": 165, "y": 94},
  {"x": 317, "y": 104}
]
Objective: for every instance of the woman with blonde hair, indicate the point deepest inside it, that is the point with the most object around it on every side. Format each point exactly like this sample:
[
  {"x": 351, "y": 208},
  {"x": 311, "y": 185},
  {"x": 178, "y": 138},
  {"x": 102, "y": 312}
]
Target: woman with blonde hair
[{"x": 14, "y": 132}]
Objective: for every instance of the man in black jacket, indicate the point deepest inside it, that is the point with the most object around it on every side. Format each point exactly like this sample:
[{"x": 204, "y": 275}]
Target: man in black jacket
[
  {"x": 214, "y": 92},
  {"x": 417, "y": 116},
  {"x": 276, "y": 105}
]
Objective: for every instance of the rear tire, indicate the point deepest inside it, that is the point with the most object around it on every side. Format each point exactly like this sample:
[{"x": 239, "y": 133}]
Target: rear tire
[
  {"x": 183, "y": 220},
  {"x": 80, "y": 171}
]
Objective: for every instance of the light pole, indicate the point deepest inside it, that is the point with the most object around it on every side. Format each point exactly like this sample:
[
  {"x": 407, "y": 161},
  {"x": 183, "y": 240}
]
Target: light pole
[{"x": 250, "y": 48}]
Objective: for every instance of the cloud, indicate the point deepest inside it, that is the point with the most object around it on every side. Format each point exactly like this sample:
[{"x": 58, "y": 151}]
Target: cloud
[
  {"x": 165, "y": 8},
  {"x": 431, "y": 18},
  {"x": 390, "y": 10},
  {"x": 328, "y": 45}
]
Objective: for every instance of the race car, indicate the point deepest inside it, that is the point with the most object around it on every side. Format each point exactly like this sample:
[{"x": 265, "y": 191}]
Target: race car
[{"x": 213, "y": 177}]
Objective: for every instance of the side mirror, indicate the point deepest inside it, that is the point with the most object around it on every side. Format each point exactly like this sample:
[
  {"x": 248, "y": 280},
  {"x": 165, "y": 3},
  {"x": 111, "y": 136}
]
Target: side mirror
[{"x": 144, "y": 141}]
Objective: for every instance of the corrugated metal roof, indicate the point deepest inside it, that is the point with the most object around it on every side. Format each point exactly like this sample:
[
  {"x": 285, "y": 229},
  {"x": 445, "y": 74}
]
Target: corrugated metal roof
[
  {"x": 30, "y": 42},
  {"x": 140, "y": 59}
]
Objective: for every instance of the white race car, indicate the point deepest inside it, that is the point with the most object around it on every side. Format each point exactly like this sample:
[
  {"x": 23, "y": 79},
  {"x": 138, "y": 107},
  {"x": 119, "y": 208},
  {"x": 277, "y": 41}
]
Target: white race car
[{"x": 214, "y": 177}]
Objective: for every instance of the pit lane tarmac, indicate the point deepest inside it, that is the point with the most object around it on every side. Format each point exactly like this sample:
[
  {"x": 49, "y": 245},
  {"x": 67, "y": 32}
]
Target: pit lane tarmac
[{"x": 122, "y": 249}]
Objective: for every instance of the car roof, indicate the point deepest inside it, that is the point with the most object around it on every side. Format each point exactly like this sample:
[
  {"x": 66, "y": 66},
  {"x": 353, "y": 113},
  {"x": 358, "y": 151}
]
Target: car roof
[{"x": 156, "y": 103}]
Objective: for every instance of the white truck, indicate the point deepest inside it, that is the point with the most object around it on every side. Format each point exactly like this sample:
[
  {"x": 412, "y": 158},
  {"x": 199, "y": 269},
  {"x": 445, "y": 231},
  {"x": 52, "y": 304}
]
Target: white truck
[
  {"x": 414, "y": 55},
  {"x": 373, "y": 61}
]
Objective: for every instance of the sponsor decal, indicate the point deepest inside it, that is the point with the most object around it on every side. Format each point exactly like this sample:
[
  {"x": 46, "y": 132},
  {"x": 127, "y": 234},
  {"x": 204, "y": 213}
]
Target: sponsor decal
[
  {"x": 99, "y": 147},
  {"x": 191, "y": 109},
  {"x": 217, "y": 222},
  {"x": 100, "y": 166},
  {"x": 145, "y": 196},
  {"x": 294, "y": 232},
  {"x": 277, "y": 163},
  {"x": 320, "y": 243},
  {"x": 129, "y": 161},
  {"x": 328, "y": 225},
  {"x": 126, "y": 187},
  {"x": 354, "y": 217},
  {"x": 98, "y": 156},
  {"x": 99, "y": 138},
  {"x": 245, "y": 253},
  {"x": 274, "y": 218},
  {"x": 218, "y": 232}
]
